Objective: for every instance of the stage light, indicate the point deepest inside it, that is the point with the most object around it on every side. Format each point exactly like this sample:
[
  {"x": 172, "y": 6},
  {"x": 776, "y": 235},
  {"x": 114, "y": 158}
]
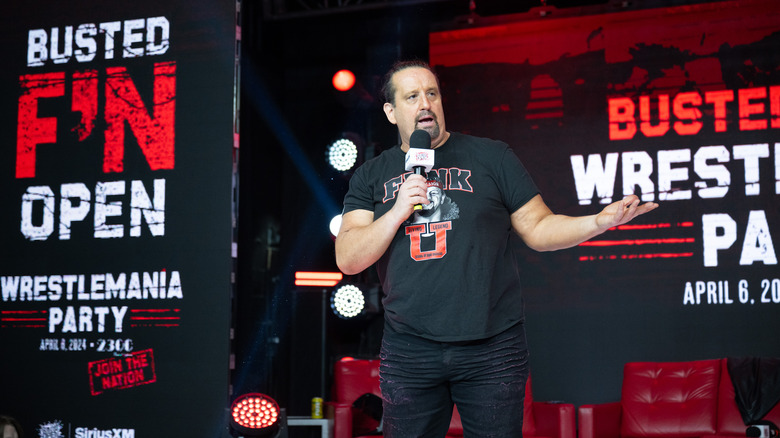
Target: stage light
[
  {"x": 335, "y": 225},
  {"x": 256, "y": 414},
  {"x": 347, "y": 301},
  {"x": 343, "y": 80},
  {"x": 342, "y": 154},
  {"x": 326, "y": 279}
]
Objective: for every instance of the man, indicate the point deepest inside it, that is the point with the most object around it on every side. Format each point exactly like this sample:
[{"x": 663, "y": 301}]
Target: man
[{"x": 454, "y": 329}]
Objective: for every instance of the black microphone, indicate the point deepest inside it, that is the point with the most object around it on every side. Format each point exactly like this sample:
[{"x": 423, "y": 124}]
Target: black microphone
[
  {"x": 420, "y": 139},
  {"x": 420, "y": 155}
]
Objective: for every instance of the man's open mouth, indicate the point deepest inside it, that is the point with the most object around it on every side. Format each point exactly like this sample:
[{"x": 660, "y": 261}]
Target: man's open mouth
[{"x": 426, "y": 121}]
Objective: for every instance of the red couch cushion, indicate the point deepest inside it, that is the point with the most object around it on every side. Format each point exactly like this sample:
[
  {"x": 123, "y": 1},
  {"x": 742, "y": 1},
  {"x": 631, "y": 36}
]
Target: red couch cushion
[
  {"x": 677, "y": 399},
  {"x": 353, "y": 378}
]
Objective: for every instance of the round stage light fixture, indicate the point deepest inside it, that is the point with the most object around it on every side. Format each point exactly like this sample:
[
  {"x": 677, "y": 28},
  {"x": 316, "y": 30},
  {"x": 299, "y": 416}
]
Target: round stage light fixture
[
  {"x": 347, "y": 301},
  {"x": 342, "y": 154},
  {"x": 255, "y": 414},
  {"x": 343, "y": 80}
]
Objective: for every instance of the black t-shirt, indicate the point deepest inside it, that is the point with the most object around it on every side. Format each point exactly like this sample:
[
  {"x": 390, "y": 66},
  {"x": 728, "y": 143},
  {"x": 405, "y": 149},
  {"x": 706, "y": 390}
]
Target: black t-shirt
[{"x": 450, "y": 275}]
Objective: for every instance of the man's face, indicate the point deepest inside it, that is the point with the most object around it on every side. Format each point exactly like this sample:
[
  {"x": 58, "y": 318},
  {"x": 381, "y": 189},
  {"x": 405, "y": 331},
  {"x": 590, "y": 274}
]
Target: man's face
[
  {"x": 417, "y": 105},
  {"x": 435, "y": 195}
]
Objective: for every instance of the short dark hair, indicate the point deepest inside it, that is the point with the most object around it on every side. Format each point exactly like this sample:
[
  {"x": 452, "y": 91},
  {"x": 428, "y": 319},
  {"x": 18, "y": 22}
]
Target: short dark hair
[{"x": 388, "y": 88}]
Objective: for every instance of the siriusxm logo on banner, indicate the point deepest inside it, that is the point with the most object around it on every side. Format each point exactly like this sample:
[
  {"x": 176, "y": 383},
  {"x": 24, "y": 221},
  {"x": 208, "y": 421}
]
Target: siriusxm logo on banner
[
  {"x": 85, "y": 432},
  {"x": 54, "y": 429}
]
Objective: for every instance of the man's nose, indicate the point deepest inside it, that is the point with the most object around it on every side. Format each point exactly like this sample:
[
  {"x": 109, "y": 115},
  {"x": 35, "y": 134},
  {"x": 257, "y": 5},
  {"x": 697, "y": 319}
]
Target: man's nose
[{"x": 424, "y": 102}]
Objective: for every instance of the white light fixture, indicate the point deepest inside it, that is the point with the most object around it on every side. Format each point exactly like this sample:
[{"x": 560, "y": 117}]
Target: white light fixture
[
  {"x": 347, "y": 301},
  {"x": 342, "y": 154},
  {"x": 335, "y": 225}
]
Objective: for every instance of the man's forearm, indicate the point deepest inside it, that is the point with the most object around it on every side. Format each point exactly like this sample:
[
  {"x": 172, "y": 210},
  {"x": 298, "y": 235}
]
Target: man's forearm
[
  {"x": 546, "y": 231},
  {"x": 360, "y": 246},
  {"x": 557, "y": 231}
]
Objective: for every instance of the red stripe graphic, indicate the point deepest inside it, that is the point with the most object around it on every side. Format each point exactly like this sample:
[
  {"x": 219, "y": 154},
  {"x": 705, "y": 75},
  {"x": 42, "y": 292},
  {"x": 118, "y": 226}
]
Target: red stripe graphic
[
  {"x": 653, "y": 244},
  {"x": 22, "y": 318},
  {"x": 637, "y": 242},
  {"x": 154, "y": 317}
]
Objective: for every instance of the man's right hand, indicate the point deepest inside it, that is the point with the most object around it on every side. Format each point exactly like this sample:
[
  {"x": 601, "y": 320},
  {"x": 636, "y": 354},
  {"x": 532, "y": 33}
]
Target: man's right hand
[
  {"x": 363, "y": 239},
  {"x": 412, "y": 192}
]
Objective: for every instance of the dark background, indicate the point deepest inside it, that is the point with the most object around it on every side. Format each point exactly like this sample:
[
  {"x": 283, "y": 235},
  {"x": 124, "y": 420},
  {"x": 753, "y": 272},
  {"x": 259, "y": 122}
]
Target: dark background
[{"x": 584, "y": 321}]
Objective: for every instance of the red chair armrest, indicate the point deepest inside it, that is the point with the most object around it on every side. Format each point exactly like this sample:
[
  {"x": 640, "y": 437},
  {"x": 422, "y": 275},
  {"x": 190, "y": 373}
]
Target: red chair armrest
[
  {"x": 341, "y": 413},
  {"x": 554, "y": 419},
  {"x": 600, "y": 421}
]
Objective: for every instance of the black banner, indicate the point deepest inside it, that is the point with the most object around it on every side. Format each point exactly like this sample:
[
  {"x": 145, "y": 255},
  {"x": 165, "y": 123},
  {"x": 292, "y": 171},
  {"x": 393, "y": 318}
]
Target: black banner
[
  {"x": 678, "y": 105},
  {"x": 116, "y": 227}
]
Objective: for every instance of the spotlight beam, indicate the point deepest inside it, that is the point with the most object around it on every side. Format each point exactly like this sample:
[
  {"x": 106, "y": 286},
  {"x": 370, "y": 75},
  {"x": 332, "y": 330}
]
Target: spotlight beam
[
  {"x": 270, "y": 327},
  {"x": 261, "y": 98}
]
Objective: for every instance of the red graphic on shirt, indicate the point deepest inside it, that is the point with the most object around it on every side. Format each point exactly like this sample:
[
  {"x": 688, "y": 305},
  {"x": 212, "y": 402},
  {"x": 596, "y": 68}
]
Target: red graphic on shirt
[{"x": 422, "y": 233}]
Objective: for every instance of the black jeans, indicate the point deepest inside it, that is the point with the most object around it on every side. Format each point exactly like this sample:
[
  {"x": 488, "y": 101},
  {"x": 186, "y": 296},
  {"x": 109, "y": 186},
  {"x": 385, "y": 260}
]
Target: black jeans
[{"x": 421, "y": 379}]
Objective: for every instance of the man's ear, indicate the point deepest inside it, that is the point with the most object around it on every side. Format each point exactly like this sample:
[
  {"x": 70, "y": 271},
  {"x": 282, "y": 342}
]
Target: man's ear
[{"x": 389, "y": 112}]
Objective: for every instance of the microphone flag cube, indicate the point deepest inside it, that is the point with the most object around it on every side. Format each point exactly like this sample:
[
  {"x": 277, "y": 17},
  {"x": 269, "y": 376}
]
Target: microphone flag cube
[{"x": 422, "y": 158}]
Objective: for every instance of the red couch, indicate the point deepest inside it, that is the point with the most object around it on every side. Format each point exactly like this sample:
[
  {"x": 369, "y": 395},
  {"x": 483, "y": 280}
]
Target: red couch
[
  {"x": 670, "y": 399},
  {"x": 355, "y": 377}
]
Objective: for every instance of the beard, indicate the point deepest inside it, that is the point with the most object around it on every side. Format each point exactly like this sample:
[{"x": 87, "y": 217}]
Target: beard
[{"x": 434, "y": 130}]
